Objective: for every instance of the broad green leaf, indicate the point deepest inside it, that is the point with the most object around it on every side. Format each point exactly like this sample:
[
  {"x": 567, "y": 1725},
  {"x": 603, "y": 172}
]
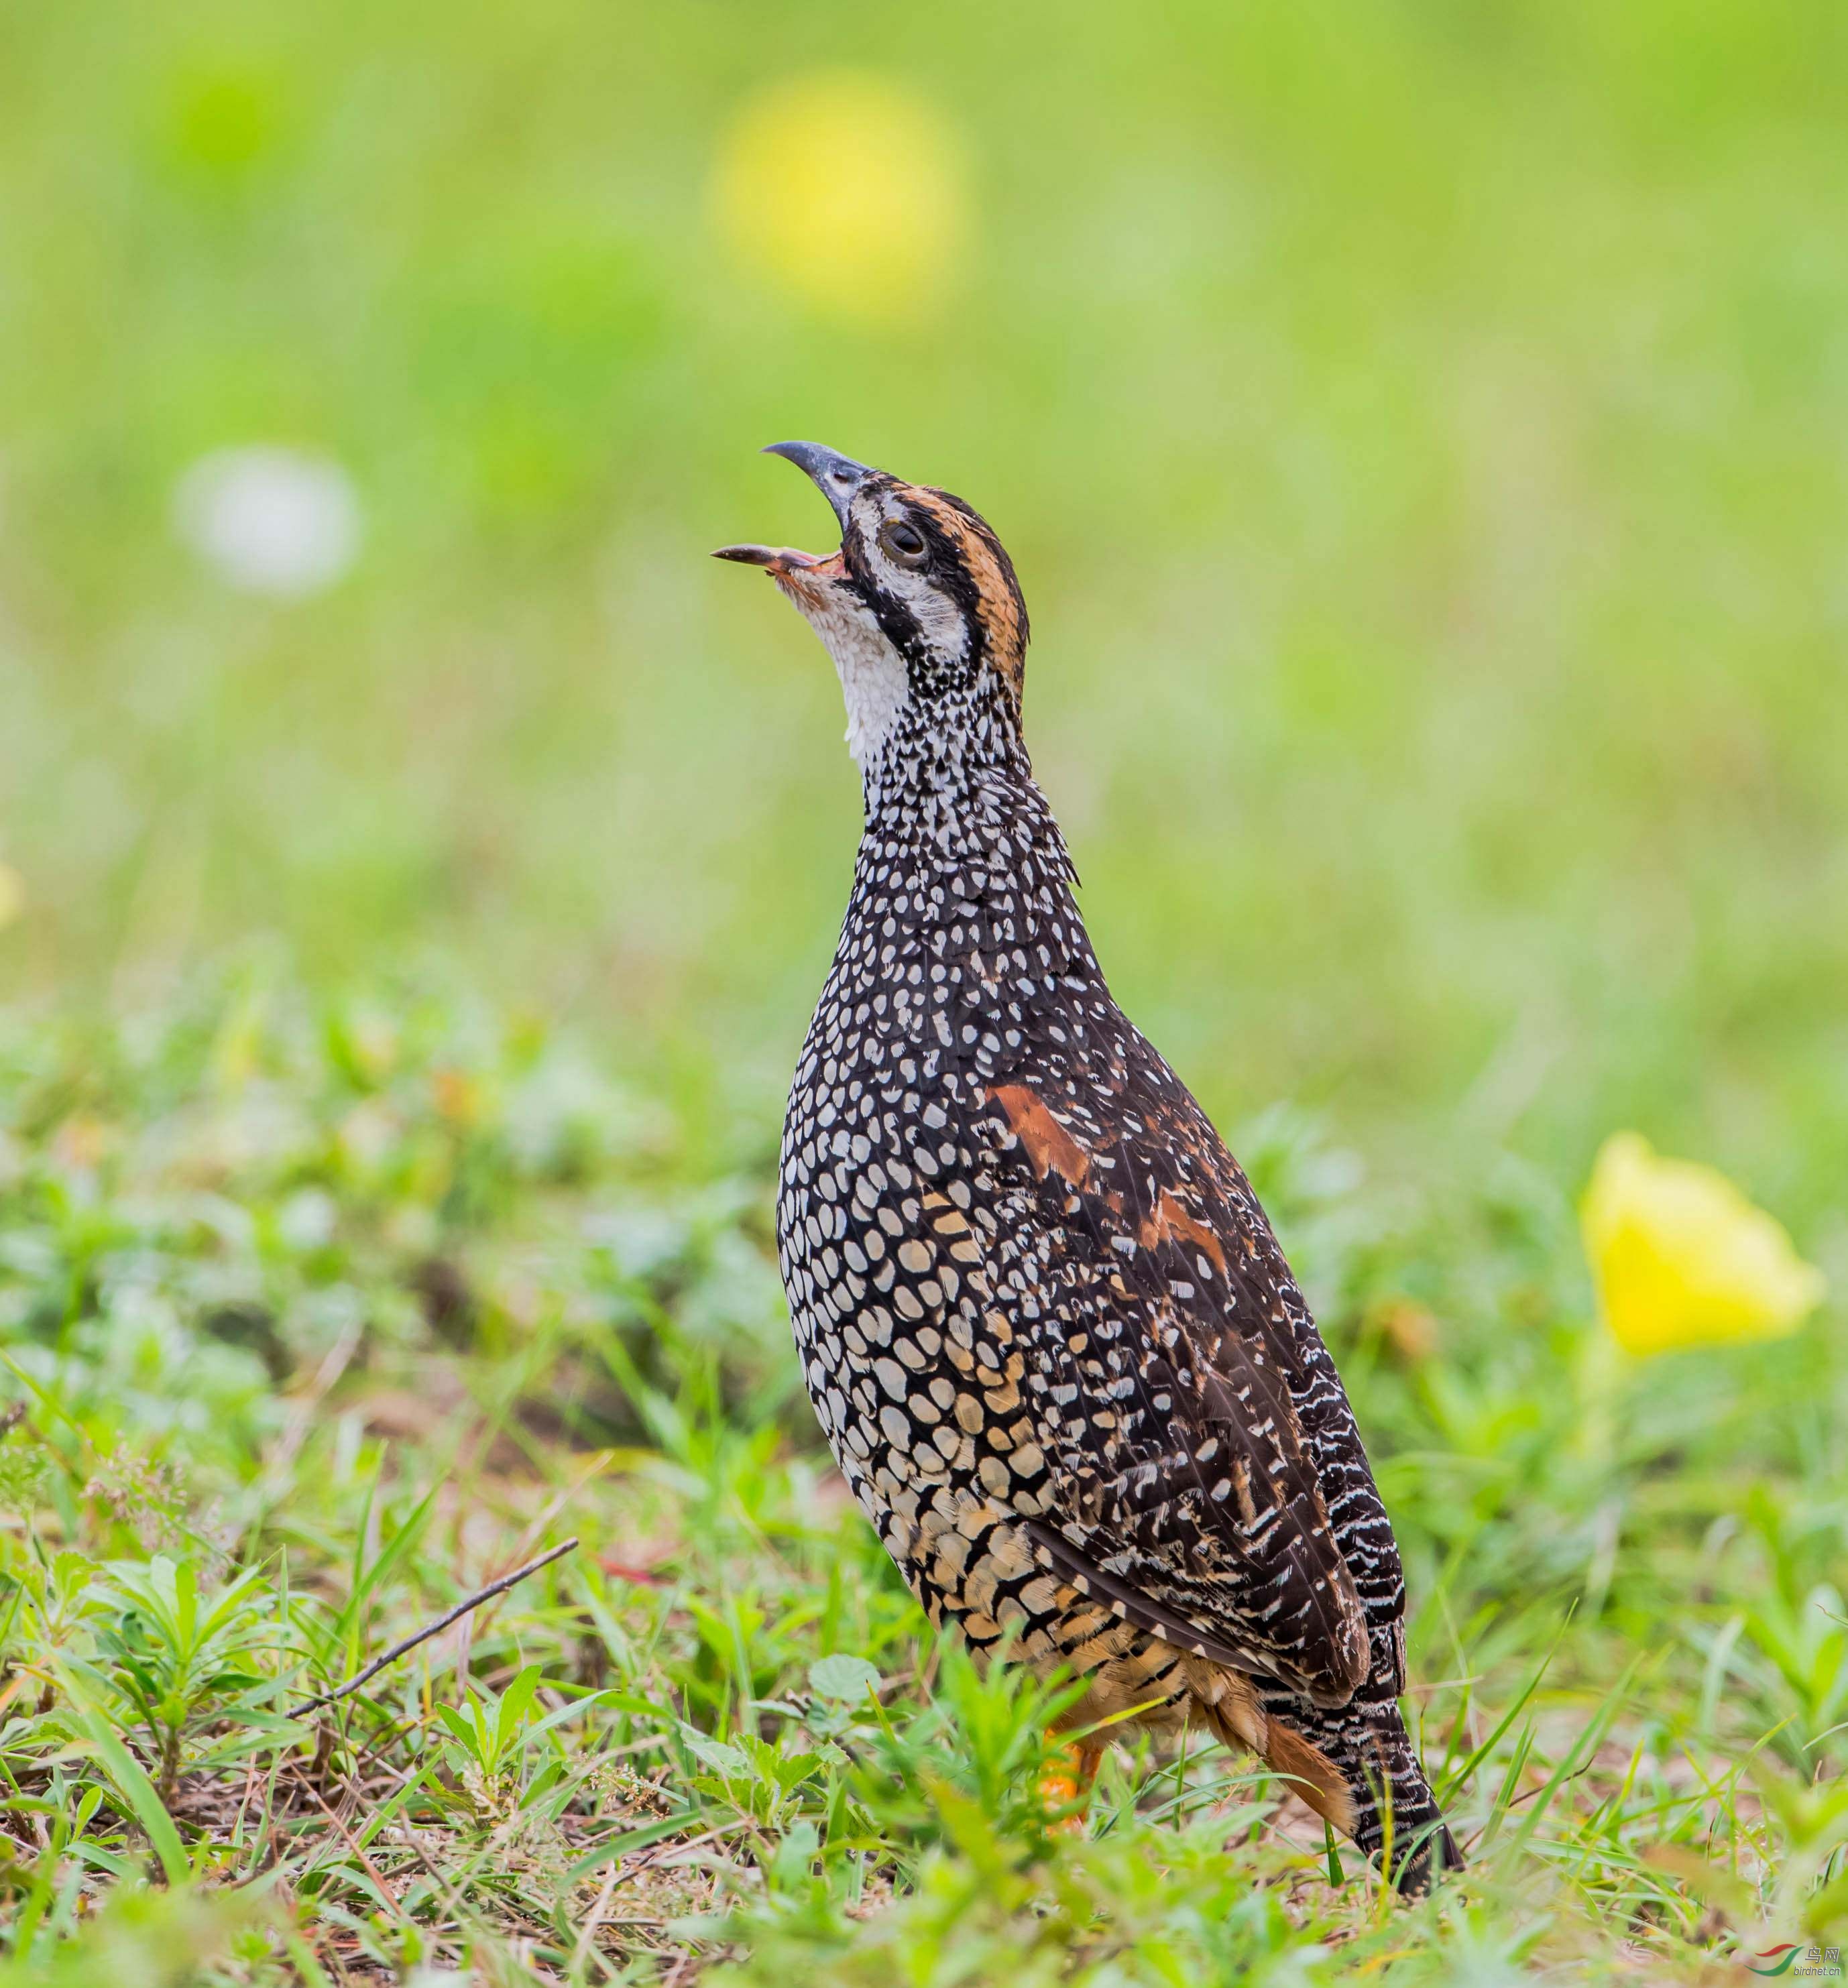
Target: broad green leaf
[
  {"x": 719, "y": 1755},
  {"x": 843, "y": 1677},
  {"x": 516, "y": 1702}
]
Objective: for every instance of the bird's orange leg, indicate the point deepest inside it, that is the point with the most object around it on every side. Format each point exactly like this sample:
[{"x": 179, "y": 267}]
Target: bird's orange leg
[{"x": 1065, "y": 1785}]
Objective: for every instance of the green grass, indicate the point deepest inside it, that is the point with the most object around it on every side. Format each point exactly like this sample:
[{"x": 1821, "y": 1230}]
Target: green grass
[{"x": 319, "y": 1313}]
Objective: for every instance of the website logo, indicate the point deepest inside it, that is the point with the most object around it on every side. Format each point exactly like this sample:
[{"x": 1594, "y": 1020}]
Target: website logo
[{"x": 1798, "y": 1962}]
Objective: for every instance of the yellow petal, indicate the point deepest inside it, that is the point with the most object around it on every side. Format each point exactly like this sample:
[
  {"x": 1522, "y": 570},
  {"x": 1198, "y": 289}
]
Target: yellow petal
[
  {"x": 1681, "y": 1258},
  {"x": 12, "y": 895},
  {"x": 846, "y": 190}
]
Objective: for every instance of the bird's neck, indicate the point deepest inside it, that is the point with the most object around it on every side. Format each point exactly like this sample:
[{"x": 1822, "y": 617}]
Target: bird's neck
[{"x": 954, "y": 818}]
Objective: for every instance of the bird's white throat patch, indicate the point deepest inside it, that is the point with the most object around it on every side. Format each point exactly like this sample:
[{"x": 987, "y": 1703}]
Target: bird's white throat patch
[{"x": 873, "y": 679}]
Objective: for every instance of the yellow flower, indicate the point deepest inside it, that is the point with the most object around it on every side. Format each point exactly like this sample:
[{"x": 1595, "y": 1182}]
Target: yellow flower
[
  {"x": 12, "y": 895},
  {"x": 1681, "y": 1258},
  {"x": 846, "y": 190}
]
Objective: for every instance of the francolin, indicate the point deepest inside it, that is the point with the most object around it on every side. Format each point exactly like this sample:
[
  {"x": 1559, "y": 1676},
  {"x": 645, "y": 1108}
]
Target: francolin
[{"x": 1044, "y": 1321}]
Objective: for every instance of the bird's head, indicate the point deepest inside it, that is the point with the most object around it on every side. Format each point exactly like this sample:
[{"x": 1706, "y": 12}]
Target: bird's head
[{"x": 919, "y": 608}]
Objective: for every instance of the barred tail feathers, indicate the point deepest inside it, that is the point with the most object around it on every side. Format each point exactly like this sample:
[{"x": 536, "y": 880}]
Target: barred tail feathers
[
  {"x": 1354, "y": 1764},
  {"x": 1396, "y": 1819}
]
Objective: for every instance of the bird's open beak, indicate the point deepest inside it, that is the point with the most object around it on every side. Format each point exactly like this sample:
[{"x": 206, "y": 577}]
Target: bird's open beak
[{"x": 835, "y": 475}]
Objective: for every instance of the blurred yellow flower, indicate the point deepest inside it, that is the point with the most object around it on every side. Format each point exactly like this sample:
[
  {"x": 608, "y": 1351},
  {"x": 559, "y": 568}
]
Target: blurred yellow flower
[
  {"x": 12, "y": 894},
  {"x": 847, "y": 190},
  {"x": 1681, "y": 1258}
]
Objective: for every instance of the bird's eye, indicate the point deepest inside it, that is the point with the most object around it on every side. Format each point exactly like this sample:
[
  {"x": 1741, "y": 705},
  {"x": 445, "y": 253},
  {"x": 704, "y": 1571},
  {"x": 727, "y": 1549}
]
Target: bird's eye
[{"x": 902, "y": 543}]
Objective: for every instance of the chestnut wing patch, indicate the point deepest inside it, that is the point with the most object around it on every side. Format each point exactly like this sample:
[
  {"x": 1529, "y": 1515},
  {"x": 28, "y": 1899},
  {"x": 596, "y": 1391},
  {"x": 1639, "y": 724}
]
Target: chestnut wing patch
[
  {"x": 1049, "y": 1145},
  {"x": 1183, "y": 1495}
]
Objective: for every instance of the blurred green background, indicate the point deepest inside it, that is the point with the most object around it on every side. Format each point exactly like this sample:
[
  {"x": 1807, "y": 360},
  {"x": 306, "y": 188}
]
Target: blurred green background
[{"x": 1422, "y": 431}]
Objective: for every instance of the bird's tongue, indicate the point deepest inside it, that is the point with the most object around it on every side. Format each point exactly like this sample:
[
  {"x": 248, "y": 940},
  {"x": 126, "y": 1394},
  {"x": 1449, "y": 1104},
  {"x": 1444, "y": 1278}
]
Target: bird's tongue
[{"x": 786, "y": 557}]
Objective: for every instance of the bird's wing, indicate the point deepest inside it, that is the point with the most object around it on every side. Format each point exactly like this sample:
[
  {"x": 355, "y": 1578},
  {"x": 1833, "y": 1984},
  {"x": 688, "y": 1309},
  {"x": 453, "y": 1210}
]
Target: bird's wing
[{"x": 1196, "y": 1433}]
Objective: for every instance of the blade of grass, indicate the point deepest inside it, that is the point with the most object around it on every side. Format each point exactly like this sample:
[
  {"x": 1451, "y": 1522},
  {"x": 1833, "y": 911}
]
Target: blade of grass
[{"x": 131, "y": 1780}]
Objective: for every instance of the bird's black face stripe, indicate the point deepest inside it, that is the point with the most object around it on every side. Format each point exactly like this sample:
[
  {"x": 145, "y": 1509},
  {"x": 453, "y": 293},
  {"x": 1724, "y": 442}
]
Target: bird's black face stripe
[
  {"x": 981, "y": 527},
  {"x": 942, "y": 568},
  {"x": 897, "y": 623},
  {"x": 953, "y": 580}
]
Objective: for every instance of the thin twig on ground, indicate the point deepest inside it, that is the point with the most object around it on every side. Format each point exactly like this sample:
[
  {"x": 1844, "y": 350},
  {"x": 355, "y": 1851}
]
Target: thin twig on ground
[{"x": 430, "y": 1629}]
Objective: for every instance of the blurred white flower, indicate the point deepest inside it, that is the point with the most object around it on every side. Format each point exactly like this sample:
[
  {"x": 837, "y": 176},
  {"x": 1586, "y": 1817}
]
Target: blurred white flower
[
  {"x": 308, "y": 1219},
  {"x": 269, "y": 520}
]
